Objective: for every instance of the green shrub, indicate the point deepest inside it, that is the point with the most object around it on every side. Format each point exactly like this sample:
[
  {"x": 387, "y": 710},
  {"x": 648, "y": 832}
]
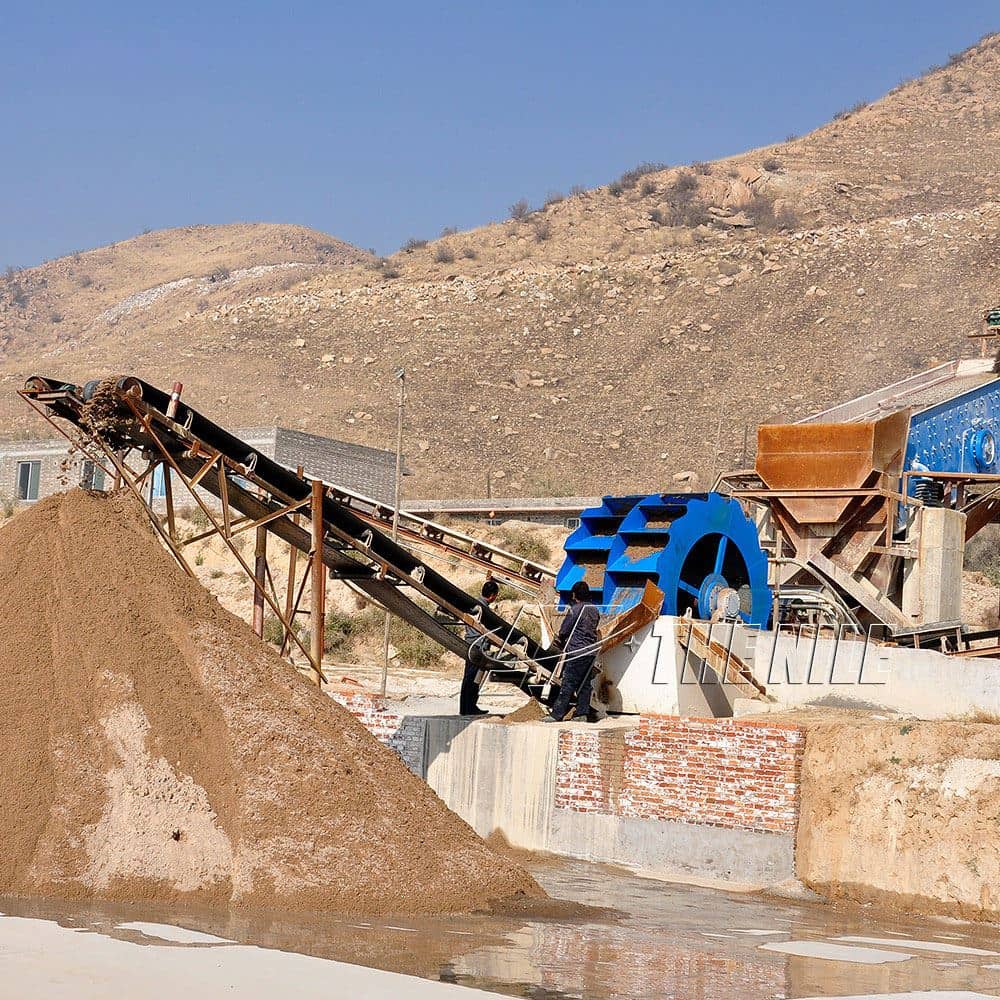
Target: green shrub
[
  {"x": 337, "y": 629},
  {"x": 199, "y": 518},
  {"x": 274, "y": 631},
  {"x": 415, "y": 649},
  {"x": 523, "y": 543}
]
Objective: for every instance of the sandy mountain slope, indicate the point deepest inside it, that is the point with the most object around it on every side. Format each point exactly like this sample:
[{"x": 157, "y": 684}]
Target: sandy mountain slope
[
  {"x": 92, "y": 291},
  {"x": 618, "y": 337}
]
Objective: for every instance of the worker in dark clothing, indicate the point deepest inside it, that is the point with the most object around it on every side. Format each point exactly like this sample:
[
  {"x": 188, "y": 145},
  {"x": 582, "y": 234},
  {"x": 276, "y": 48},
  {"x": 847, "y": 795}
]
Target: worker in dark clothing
[
  {"x": 469, "y": 694},
  {"x": 578, "y": 639}
]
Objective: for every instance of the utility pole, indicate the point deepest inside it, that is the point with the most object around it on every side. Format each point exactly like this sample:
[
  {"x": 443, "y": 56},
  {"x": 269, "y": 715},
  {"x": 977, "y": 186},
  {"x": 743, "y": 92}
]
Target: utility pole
[{"x": 401, "y": 377}]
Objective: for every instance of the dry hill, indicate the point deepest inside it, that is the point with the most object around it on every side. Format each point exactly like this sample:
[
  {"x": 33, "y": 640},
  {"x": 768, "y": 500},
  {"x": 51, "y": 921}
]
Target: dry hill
[{"x": 610, "y": 340}]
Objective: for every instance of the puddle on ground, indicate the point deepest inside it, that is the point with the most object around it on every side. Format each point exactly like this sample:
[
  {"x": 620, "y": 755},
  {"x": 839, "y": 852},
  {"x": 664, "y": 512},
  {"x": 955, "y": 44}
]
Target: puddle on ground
[{"x": 650, "y": 939}]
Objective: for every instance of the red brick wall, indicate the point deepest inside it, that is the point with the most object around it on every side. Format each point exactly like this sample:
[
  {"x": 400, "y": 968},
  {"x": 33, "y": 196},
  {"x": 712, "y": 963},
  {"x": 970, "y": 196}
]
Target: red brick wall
[
  {"x": 589, "y": 770},
  {"x": 402, "y": 733},
  {"x": 720, "y": 772}
]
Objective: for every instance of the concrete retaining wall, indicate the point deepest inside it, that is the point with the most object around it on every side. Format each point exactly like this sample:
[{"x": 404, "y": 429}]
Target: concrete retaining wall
[
  {"x": 798, "y": 668},
  {"x": 625, "y": 792}
]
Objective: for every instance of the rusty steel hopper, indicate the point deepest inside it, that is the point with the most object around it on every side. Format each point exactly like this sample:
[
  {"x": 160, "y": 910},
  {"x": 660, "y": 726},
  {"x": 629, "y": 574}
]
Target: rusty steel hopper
[{"x": 835, "y": 457}]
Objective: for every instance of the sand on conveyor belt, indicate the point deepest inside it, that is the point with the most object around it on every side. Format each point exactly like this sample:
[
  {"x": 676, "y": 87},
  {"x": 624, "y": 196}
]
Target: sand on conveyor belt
[{"x": 152, "y": 748}]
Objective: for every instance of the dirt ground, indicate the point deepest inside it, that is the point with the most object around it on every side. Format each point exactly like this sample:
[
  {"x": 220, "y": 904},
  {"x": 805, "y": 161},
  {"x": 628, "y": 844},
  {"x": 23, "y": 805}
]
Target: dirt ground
[{"x": 151, "y": 748}]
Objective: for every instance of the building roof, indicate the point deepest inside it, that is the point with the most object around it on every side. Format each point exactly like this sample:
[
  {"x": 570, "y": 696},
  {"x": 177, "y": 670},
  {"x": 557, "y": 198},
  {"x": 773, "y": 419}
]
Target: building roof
[{"x": 504, "y": 505}]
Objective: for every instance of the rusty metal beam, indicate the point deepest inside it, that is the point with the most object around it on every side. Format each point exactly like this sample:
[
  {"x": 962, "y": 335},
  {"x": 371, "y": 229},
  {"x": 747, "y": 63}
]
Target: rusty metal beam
[
  {"x": 146, "y": 423},
  {"x": 317, "y": 608}
]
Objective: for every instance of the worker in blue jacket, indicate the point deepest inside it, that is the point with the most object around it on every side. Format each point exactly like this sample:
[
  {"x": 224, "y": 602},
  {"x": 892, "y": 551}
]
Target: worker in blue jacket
[{"x": 578, "y": 639}]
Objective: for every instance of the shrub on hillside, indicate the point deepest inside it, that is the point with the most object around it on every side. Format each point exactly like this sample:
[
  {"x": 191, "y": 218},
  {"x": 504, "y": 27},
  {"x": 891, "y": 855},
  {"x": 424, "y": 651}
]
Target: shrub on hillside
[
  {"x": 689, "y": 212},
  {"x": 647, "y": 187},
  {"x": 630, "y": 178},
  {"x": 85, "y": 281},
  {"x": 576, "y": 190},
  {"x": 765, "y": 217},
  {"x": 274, "y": 631},
  {"x": 771, "y": 164},
  {"x": 684, "y": 182},
  {"x": 443, "y": 254},
  {"x": 413, "y": 244},
  {"x": 469, "y": 253},
  {"x": 982, "y": 554},
  {"x": 524, "y": 543},
  {"x": 701, "y": 167},
  {"x": 337, "y": 629},
  {"x": 553, "y": 198},
  {"x": 520, "y": 209},
  {"x": 787, "y": 219},
  {"x": 385, "y": 267},
  {"x": 448, "y": 231},
  {"x": 542, "y": 230}
]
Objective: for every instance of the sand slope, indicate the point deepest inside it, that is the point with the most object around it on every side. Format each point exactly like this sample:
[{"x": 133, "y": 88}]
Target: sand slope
[
  {"x": 903, "y": 813},
  {"x": 152, "y": 748}
]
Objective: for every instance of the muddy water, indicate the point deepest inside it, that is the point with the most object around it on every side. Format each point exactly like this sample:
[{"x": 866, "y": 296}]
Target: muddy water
[{"x": 657, "y": 940}]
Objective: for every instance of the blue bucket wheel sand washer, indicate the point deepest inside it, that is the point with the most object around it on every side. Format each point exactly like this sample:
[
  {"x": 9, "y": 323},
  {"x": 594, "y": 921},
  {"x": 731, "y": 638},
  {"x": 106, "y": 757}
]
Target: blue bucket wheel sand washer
[{"x": 690, "y": 545}]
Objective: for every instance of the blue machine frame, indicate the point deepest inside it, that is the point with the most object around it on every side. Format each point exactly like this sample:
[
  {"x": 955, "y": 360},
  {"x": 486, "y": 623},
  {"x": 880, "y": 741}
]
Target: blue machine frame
[{"x": 959, "y": 435}]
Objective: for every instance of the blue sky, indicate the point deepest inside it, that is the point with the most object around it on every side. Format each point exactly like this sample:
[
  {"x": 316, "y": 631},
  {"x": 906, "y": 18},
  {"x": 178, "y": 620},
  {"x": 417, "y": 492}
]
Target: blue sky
[{"x": 378, "y": 122}]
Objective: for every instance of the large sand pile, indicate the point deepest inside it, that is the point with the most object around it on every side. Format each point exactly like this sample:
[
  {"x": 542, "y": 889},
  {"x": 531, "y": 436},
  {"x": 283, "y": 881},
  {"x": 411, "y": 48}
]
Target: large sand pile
[
  {"x": 152, "y": 748},
  {"x": 905, "y": 813}
]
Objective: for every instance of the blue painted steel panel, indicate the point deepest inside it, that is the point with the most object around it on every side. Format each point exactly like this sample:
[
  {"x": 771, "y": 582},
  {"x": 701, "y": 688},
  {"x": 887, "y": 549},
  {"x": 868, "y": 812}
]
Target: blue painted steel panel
[
  {"x": 959, "y": 435},
  {"x": 689, "y": 545}
]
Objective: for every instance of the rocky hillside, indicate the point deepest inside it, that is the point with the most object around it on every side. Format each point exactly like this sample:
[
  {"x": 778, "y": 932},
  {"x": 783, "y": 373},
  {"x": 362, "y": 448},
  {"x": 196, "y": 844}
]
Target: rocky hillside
[{"x": 612, "y": 339}]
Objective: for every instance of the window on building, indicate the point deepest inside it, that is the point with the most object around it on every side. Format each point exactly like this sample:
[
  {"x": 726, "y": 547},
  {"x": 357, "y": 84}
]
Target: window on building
[
  {"x": 158, "y": 487},
  {"x": 92, "y": 476},
  {"x": 28, "y": 475}
]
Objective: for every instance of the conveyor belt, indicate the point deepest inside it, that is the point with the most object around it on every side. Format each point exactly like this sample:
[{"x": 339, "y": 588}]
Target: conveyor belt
[{"x": 355, "y": 549}]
